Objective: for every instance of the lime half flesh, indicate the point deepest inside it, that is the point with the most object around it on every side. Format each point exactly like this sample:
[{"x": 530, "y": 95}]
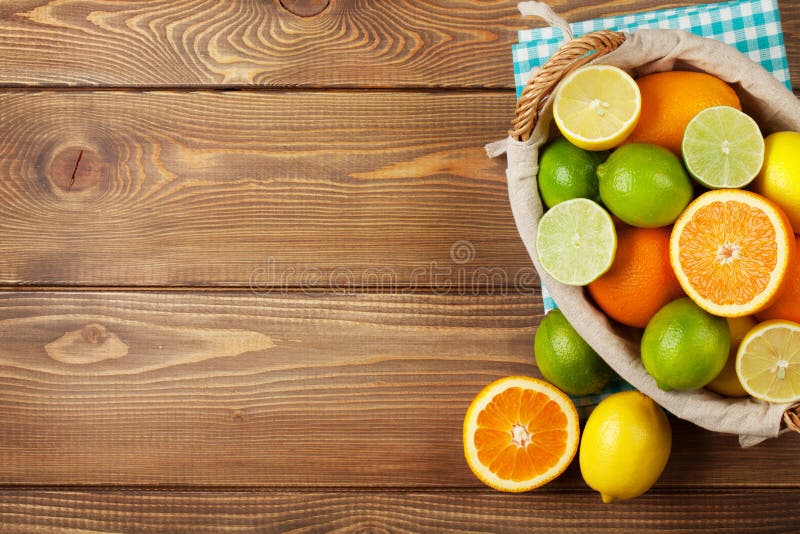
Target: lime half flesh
[
  {"x": 723, "y": 148},
  {"x": 576, "y": 241}
]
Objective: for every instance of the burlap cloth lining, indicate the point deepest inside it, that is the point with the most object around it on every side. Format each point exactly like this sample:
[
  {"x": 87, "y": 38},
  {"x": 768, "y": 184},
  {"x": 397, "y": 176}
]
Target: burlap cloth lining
[{"x": 773, "y": 107}]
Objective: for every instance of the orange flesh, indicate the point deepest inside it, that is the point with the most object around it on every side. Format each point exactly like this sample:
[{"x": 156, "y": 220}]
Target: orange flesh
[
  {"x": 521, "y": 434},
  {"x": 728, "y": 251}
]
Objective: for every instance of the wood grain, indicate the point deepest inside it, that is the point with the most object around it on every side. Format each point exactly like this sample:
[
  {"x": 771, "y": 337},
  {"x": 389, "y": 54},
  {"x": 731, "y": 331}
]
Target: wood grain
[
  {"x": 349, "y": 43},
  {"x": 364, "y": 190},
  {"x": 254, "y": 390},
  {"x": 37, "y": 511}
]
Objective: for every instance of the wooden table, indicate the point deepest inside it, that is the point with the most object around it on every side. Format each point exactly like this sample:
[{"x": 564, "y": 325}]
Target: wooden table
[{"x": 252, "y": 265}]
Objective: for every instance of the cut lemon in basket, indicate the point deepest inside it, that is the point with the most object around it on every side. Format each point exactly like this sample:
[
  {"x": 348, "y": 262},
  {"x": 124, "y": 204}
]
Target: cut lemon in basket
[
  {"x": 723, "y": 147},
  {"x": 731, "y": 250},
  {"x": 597, "y": 107},
  {"x": 576, "y": 241},
  {"x": 520, "y": 433},
  {"x": 768, "y": 361}
]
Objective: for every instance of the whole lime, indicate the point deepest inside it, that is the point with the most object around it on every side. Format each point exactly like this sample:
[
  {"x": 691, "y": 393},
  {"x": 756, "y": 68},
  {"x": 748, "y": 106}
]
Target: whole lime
[
  {"x": 625, "y": 446},
  {"x": 566, "y": 171},
  {"x": 644, "y": 185},
  {"x": 684, "y": 346},
  {"x": 566, "y": 360}
]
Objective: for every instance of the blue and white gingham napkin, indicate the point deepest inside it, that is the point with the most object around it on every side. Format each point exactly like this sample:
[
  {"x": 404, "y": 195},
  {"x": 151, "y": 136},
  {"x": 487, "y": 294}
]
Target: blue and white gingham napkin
[{"x": 751, "y": 26}]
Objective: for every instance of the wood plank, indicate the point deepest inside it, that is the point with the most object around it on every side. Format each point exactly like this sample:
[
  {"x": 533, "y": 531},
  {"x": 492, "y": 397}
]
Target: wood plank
[
  {"x": 403, "y": 43},
  {"x": 244, "y": 390},
  {"x": 132, "y": 510},
  {"x": 349, "y": 190}
]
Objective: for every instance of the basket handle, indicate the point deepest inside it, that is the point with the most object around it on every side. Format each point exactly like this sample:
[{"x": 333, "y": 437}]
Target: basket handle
[
  {"x": 792, "y": 418},
  {"x": 572, "y": 55}
]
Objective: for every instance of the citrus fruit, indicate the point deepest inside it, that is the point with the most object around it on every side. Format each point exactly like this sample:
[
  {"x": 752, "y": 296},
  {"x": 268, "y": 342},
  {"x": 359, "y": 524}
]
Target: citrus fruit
[
  {"x": 625, "y": 446},
  {"x": 567, "y": 171},
  {"x": 684, "y": 346},
  {"x": 644, "y": 185},
  {"x": 731, "y": 250},
  {"x": 723, "y": 147},
  {"x": 597, "y": 106},
  {"x": 779, "y": 179},
  {"x": 787, "y": 305},
  {"x": 576, "y": 241},
  {"x": 768, "y": 361},
  {"x": 640, "y": 280},
  {"x": 671, "y": 99},
  {"x": 566, "y": 360},
  {"x": 727, "y": 382},
  {"x": 520, "y": 433}
]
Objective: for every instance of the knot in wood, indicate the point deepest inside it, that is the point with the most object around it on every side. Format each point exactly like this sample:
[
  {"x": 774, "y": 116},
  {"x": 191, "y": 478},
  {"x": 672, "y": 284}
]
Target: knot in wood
[
  {"x": 94, "y": 333},
  {"x": 305, "y": 8},
  {"x": 92, "y": 343},
  {"x": 75, "y": 169}
]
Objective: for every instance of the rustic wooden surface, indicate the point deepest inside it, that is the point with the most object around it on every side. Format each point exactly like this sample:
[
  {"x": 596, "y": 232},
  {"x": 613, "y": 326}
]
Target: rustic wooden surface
[
  {"x": 209, "y": 189},
  {"x": 255, "y": 266}
]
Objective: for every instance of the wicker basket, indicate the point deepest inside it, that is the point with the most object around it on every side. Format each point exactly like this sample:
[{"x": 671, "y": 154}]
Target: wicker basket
[{"x": 752, "y": 420}]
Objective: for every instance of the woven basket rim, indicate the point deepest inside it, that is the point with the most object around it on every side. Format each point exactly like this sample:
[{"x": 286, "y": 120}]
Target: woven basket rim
[
  {"x": 573, "y": 54},
  {"x": 538, "y": 89}
]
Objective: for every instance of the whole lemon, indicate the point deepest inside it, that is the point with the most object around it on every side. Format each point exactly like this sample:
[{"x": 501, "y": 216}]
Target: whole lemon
[
  {"x": 684, "y": 346},
  {"x": 625, "y": 446},
  {"x": 566, "y": 360},
  {"x": 727, "y": 382},
  {"x": 779, "y": 179},
  {"x": 645, "y": 185}
]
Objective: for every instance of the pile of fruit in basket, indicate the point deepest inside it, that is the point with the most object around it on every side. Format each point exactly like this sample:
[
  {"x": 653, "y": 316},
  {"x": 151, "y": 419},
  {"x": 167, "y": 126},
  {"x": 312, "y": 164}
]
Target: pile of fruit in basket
[{"x": 678, "y": 217}]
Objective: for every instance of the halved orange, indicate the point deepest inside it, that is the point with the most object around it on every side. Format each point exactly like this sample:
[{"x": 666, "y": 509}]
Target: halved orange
[
  {"x": 520, "y": 433},
  {"x": 730, "y": 250}
]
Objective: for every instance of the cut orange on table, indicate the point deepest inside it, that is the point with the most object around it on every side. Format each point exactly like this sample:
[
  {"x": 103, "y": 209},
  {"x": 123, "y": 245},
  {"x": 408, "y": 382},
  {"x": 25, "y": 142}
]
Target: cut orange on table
[
  {"x": 730, "y": 250},
  {"x": 520, "y": 433}
]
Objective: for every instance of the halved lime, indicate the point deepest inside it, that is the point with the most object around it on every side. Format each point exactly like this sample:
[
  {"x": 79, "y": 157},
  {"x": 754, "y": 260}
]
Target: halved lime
[
  {"x": 723, "y": 148},
  {"x": 768, "y": 361},
  {"x": 576, "y": 241}
]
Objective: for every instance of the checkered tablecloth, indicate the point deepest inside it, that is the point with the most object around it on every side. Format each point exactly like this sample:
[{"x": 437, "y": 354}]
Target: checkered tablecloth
[{"x": 751, "y": 26}]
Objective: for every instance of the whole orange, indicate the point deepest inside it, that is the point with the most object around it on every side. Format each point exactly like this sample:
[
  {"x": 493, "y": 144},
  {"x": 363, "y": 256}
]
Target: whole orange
[
  {"x": 787, "y": 306},
  {"x": 641, "y": 280},
  {"x": 671, "y": 99}
]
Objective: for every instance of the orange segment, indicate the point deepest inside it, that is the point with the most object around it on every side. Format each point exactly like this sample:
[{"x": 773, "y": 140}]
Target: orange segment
[
  {"x": 730, "y": 250},
  {"x": 520, "y": 433}
]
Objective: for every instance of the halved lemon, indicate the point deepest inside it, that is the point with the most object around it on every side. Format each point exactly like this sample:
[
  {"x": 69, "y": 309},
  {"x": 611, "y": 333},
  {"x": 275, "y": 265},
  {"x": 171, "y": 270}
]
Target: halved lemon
[
  {"x": 596, "y": 107},
  {"x": 730, "y": 250},
  {"x": 520, "y": 433},
  {"x": 768, "y": 361}
]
